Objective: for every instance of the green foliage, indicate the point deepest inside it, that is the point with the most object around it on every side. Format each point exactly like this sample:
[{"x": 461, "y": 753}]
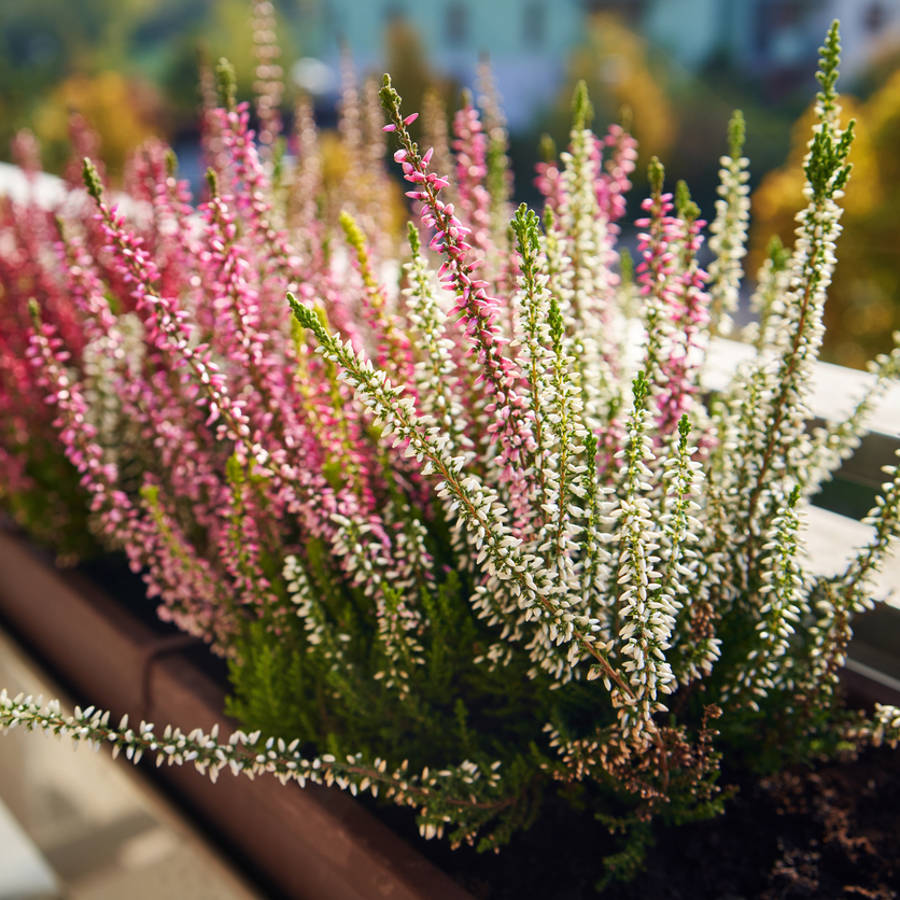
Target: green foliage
[
  {"x": 328, "y": 693},
  {"x": 627, "y": 863},
  {"x": 54, "y": 509}
]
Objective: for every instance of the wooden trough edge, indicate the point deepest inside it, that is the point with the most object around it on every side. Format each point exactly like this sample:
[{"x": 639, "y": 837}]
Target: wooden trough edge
[{"x": 312, "y": 844}]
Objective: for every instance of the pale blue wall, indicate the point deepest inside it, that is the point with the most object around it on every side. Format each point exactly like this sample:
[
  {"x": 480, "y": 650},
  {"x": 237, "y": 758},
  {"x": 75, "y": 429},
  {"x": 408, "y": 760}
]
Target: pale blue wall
[
  {"x": 528, "y": 67},
  {"x": 757, "y": 37},
  {"x": 495, "y": 26},
  {"x": 529, "y": 72},
  {"x": 688, "y": 30}
]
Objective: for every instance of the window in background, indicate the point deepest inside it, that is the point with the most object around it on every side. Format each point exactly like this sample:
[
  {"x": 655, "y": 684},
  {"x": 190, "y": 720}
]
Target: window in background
[
  {"x": 456, "y": 23},
  {"x": 875, "y": 17},
  {"x": 534, "y": 23},
  {"x": 394, "y": 12}
]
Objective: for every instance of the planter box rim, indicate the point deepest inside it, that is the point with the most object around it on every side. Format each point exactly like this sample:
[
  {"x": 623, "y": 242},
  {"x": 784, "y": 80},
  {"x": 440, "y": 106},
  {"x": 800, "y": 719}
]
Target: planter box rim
[{"x": 311, "y": 842}]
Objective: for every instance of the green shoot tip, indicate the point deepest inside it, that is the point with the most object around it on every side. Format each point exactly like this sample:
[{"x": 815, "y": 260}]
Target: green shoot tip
[
  {"x": 737, "y": 133},
  {"x": 656, "y": 175},
  {"x": 684, "y": 205},
  {"x": 226, "y": 81},
  {"x": 91, "y": 179},
  {"x": 582, "y": 111},
  {"x": 415, "y": 242},
  {"x": 547, "y": 148}
]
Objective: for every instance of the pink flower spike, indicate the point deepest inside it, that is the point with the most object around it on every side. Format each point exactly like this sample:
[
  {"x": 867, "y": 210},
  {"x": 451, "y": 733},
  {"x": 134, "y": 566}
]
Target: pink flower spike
[
  {"x": 411, "y": 118},
  {"x": 389, "y": 128}
]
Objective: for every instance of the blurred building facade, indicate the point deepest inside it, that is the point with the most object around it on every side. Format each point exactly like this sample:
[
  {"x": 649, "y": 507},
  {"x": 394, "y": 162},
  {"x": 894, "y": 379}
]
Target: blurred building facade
[
  {"x": 529, "y": 41},
  {"x": 769, "y": 36}
]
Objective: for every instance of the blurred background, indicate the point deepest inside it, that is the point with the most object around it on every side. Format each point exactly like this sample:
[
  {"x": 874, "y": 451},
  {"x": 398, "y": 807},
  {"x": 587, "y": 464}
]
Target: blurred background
[{"x": 673, "y": 69}]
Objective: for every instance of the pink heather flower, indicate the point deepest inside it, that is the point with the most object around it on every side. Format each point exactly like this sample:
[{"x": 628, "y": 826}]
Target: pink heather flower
[
  {"x": 618, "y": 155},
  {"x": 218, "y": 377},
  {"x": 681, "y": 300},
  {"x": 251, "y": 189},
  {"x": 498, "y": 378},
  {"x": 269, "y": 83},
  {"x": 26, "y": 153},
  {"x": 470, "y": 144},
  {"x": 29, "y": 269},
  {"x": 549, "y": 183},
  {"x": 657, "y": 279},
  {"x": 690, "y": 319},
  {"x": 149, "y": 181},
  {"x": 85, "y": 144},
  {"x": 77, "y": 434}
]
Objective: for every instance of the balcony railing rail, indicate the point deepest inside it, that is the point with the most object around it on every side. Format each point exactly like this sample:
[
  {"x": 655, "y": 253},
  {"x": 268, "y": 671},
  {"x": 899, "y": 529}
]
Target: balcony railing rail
[{"x": 831, "y": 536}]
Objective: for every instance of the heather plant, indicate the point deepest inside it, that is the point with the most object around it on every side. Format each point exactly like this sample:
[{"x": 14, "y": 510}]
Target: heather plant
[
  {"x": 459, "y": 548},
  {"x": 863, "y": 301},
  {"x": 39, "y": 487}
]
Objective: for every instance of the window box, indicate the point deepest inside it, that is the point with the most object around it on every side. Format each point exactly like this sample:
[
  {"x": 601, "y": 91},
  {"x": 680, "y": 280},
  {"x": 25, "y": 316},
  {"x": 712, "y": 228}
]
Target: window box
[{"x": 312, "y": 843}]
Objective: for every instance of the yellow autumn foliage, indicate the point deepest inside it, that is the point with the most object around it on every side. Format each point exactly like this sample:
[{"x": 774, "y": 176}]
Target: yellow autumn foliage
[
  {"x": 121, "y": 111},
  {"x": 614, "y": 62}
]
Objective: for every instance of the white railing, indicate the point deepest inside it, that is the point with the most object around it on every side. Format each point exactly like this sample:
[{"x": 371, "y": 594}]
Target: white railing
[{"x": 830, "y": 537}]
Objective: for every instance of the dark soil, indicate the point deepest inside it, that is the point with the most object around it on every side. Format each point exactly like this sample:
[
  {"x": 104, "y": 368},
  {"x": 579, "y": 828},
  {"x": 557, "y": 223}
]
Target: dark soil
[{"x": 826, "y": 833}]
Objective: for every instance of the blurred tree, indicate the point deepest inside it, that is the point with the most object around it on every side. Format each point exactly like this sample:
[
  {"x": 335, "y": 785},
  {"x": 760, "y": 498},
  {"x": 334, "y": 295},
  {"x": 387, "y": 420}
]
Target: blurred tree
[
  {"x": 703, "y": 104},
  {"x": 410, "y": 70},
  {"x": 58, "y": 53},
  {"x": 617, "y": 66},
  {"x": 45, "y": 41},
  {"x": 124, "y": 113}
]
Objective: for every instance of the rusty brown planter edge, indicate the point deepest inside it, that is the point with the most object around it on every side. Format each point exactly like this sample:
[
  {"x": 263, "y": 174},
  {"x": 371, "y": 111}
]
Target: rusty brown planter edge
[{"x": 312, "y": 843}]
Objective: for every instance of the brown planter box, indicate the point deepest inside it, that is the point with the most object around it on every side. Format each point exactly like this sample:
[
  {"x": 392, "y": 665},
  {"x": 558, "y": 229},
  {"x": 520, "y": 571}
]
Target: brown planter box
[{"x": 311, "y": 843}]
